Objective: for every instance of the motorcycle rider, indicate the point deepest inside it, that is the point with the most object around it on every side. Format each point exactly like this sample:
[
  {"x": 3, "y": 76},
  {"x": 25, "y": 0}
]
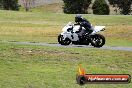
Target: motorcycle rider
[{"x": 83, "y": 23}]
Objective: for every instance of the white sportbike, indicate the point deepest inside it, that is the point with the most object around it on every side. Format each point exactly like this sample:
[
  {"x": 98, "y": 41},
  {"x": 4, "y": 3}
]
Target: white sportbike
[{"x": 71, "y": 33}]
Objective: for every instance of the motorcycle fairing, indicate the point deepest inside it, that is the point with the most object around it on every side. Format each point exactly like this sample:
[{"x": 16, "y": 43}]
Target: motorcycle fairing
[{"x": 98, "y": 28}]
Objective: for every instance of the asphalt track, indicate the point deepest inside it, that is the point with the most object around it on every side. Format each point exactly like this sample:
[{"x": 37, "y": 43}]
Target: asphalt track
[{"x": 76, "y": 46}]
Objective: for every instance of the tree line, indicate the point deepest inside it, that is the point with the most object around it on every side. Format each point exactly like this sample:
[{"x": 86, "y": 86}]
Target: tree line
[
  {"x": 13, "y": 4},
  {"x": 124, "y": 6},
  {"x": 99, "y": 7},
  {"x": 9, "y": 5}
]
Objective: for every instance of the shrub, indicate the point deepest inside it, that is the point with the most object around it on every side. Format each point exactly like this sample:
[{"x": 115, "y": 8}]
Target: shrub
[
  {"x": 100, "y": 7},
  {"x": 76, "y": 6},
  {"x": 9, "y": 4}
]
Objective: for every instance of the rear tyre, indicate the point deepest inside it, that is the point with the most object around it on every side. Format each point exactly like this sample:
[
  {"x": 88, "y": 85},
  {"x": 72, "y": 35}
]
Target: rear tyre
[
  {"x": 97, "y": 40},
  {"x": 60, "y": 38},
  {"x": 67, "y": 41}
]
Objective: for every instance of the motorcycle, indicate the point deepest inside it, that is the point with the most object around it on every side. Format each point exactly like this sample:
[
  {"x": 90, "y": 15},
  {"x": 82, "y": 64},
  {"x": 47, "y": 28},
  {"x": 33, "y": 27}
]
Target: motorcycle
[{"x": 71, "y": 33}]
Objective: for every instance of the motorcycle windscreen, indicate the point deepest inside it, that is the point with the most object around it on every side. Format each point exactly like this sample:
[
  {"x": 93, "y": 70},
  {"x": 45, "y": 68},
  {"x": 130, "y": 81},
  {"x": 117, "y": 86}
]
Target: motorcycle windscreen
[{"x": 98, "y": 28}]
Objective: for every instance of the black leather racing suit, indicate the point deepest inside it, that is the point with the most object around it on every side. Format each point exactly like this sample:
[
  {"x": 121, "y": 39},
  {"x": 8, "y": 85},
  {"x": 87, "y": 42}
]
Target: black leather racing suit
[{"x": 86, "y": 24}]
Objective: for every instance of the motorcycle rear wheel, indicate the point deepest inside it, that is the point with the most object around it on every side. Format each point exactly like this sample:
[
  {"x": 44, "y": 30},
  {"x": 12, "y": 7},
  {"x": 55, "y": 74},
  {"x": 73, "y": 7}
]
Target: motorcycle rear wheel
[
  {"x": 60, "y": 38},
  {"x": 67, "y": 41}
]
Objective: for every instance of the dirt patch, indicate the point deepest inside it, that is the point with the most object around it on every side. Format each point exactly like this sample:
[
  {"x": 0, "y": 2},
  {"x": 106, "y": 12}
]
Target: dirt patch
[{"x": 25, "y": 51}]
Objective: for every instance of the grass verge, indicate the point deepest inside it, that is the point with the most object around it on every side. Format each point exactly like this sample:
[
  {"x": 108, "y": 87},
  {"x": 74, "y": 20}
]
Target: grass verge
[
  {"x": 27, "y": 66},
  {"x": 45, "y": 27}
]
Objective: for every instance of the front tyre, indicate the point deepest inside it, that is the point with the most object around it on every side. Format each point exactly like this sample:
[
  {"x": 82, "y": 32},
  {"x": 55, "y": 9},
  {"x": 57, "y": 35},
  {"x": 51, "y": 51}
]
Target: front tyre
[{"x": 97, "y": 40}]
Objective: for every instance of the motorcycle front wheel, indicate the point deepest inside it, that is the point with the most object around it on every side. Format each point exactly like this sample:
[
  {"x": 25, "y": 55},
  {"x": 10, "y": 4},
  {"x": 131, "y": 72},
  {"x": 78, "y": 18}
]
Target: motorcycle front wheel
[{"x": 97, "y": 40}]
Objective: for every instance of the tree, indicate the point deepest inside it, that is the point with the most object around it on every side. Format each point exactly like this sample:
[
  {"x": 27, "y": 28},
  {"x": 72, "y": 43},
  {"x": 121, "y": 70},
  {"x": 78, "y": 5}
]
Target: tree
[
  {"x": 1, "y": 4},
  {"x": 123, "y": 5},
  {"x": 76, "y": 6},
  {"x": 28, "y": 4},
  {"x": 9, "y": 4},
  {"x": 100, "y": 7},
  {"x": 112, "y": 2}
]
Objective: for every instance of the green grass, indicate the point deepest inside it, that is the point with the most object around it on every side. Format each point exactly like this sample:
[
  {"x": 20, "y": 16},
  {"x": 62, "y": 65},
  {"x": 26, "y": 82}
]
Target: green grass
[
  {"x": 27, "y": 66},
  {"x": 45, "y": 26}
]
